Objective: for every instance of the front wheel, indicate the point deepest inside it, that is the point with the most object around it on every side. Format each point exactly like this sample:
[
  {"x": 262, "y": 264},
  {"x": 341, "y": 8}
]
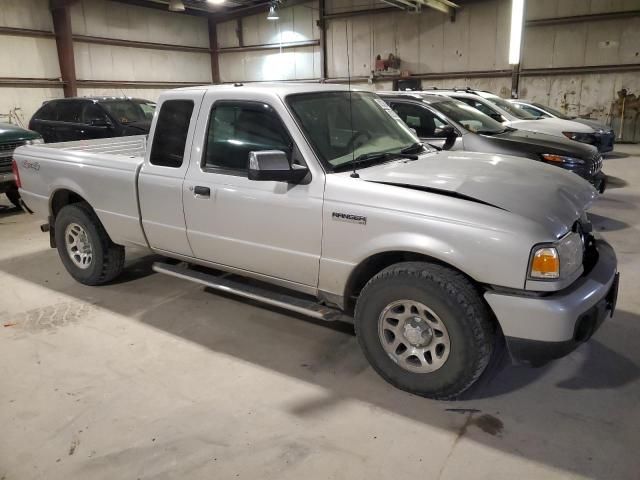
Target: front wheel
[
  {"x": 84, "y": 246},
  {"x": 425, "y": 329}
]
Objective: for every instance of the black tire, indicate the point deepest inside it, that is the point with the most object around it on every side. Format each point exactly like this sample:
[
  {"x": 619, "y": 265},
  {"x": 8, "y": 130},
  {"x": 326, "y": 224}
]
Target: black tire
[
  {"x": 107, "y": 258},
  {"x": 14, "y": 196},
  {"x": 453, "y": 298}
]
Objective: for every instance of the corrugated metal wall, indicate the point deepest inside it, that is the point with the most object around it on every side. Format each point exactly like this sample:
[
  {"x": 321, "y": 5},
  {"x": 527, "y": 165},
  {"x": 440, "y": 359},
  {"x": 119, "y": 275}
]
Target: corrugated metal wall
[
  {"x": 26, "y": 57},
  {"x": 296, "y": 24}
]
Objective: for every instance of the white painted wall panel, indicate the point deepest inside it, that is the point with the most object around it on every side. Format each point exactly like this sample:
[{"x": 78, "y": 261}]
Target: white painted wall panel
[
  {"x": 302, "y": 63},
  {"x": 296, "y": 24},
  {"x": 102, "y": 18},
  {"x": 28, "y": 57},
  {"x": 28, "y": 99},
  {"x": 32, "y": 14},
  {"x": 108, "y": 62},
  {"x": 226, "y": 34},
  {"x": 431, "y": 41}
]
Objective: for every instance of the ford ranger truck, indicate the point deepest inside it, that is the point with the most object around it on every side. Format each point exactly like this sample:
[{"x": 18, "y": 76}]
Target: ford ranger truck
[{"x": 329, "y": 201}]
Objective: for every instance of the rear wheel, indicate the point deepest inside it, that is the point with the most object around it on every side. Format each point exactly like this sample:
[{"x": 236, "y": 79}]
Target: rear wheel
[
  {"x": 14, "y": 196},
  {"x": 84, "y": 246},
  {"x": 425, "y": 329}
]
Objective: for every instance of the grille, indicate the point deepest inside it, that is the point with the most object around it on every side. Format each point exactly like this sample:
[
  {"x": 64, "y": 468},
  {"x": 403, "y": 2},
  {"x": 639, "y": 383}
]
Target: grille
[
  {"x": 6, "y": 152},
  {"x": 596, "y": 166}
]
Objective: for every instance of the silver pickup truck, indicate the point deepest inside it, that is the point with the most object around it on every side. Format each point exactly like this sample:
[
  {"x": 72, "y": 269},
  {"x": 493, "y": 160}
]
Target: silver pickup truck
[{"x": 321, "y": 201}]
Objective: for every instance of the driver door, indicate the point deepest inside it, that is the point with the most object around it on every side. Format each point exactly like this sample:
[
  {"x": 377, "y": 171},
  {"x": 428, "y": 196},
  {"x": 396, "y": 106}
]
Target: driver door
[
  {"x": 428, "y": 126},
  {"x": 264, "y": 227}
]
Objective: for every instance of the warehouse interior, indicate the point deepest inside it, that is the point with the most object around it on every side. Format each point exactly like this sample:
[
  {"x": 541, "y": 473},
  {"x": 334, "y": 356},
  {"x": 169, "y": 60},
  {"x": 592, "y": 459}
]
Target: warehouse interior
[{"x": 152, "y": 377}]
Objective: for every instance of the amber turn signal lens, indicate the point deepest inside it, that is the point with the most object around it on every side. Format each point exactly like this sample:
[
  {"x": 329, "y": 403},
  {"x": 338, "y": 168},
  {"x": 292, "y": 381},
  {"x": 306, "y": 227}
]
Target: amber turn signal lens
[{"x": 545, "y": 263}]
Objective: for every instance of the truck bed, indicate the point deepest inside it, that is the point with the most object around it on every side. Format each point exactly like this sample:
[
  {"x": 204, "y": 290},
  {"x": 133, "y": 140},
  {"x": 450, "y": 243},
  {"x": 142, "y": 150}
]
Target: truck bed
[
  {"x": 104, "y": 172},
  {"x": 131, "y": 147}
]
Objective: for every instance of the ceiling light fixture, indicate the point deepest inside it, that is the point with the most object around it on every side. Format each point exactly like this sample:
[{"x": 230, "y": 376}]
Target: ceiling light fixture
[
  {"x": 273, "y": 13},
  {"x": 215, "y": 2},
  {"x": 176, "y": 6},
  {"x": 515, "y": 39}
]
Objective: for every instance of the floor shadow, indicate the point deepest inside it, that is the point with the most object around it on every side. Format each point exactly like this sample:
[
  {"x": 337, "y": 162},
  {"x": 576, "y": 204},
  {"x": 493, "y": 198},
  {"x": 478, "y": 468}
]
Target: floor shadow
[
  {"x": 615, "y": 182},
  {"x": 606, "y": 224},
  {"x": 9, "y": 211},
  {"x": 327, "y": 355},
  {"x": 614, "y": 155}
]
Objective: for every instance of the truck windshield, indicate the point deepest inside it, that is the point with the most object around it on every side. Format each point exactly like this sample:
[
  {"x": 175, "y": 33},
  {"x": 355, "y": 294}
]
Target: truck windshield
[
  {"x": 511, "y": 108},
  {"x": 125, "y": 111},
  {"x": 325, "y": 120},
  {"x": 473, "y": 120}
]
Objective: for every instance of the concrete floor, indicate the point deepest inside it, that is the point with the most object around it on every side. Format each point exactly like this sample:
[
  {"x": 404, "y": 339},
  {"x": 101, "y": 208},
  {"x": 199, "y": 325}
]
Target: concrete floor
[{"x": 153, "y": 377}]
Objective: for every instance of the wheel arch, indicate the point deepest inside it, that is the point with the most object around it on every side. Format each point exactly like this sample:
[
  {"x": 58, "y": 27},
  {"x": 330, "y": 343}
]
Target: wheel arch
[
  {"x": 370, "y": 266},
  {"x": 61, "y": 198}
]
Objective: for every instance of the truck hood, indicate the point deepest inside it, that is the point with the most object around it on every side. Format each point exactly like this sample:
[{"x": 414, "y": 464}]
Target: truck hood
[
  {"x": 11, "y": 133},
  {"x": 551, "y": 126},
  {"x": 550, "y": 196}
]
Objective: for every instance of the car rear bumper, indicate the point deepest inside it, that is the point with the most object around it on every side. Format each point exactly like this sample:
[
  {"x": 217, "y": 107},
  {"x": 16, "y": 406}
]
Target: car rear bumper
[{"x": 538, "y": 329}]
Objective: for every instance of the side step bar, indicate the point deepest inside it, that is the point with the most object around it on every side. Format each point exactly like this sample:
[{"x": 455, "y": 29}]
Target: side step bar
[{"x": 260, "y": 294}]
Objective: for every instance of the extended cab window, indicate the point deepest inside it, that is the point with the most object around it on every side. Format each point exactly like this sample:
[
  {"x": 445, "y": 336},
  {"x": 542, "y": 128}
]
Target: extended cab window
[
  {"x": 237, "y": 128},
  {"x": 170, "y": 136}
]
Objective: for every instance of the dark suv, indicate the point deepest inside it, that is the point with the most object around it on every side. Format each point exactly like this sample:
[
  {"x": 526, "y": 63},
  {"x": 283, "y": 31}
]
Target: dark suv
[
  {"x": 453, "y": 125},
  {"x": 97, "y": 117}
]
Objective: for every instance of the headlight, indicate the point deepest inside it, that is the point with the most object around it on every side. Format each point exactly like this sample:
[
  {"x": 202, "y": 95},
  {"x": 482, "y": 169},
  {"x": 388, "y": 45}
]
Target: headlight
[
  {"x": 34, "y": 141},
  {"x": 551, "y": 157},
  {"x": 560, "y": 260},
  {"x": 580, "y": 137}
]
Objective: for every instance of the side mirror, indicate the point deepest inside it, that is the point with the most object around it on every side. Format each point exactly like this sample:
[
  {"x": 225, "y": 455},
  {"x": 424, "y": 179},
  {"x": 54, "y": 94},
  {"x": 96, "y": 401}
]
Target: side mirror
[
  {"x": 100, "y": 122},
  {"x": 273, "y": 166},
  {"x": 447, "y": 132}
]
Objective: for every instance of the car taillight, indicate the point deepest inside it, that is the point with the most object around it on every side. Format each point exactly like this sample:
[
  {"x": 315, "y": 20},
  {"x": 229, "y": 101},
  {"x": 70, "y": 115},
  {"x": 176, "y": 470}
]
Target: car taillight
[{"x": 16, "y": 173}]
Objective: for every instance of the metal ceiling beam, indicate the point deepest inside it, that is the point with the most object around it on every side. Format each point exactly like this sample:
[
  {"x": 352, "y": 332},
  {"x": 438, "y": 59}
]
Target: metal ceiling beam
[{"x": 582, "y": 18}]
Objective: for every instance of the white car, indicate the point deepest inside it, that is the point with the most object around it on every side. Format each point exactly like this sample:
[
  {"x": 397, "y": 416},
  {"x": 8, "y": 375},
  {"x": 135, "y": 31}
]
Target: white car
[
  {"x": 510, "y": 115},
  {"x": 603, "y": 139}
]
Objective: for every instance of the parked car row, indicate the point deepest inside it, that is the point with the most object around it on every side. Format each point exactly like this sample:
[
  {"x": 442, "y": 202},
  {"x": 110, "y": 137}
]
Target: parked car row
[
  {"x": 451, "y": 124},
  {"x": 328, "y": 198}
]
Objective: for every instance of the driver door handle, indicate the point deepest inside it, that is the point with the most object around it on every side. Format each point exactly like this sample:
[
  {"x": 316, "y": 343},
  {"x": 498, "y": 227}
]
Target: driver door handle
[{"x": 201, "y": 192}]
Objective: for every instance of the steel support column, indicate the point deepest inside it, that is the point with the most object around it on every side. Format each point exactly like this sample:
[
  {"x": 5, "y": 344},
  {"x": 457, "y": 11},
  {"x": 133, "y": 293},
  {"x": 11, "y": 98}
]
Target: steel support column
[
  {"x": 213, "y": 45},
  {"x": 61, "y": 16},
  {"x": 322, "y": 25}
]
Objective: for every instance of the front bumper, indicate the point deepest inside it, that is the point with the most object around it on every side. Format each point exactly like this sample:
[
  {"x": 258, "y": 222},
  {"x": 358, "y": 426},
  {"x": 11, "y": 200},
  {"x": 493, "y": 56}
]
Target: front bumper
[
  {"x": 538, "y": 329},
  {"x": 599, "y": 182},
  {"x": 606, "y": 141}
]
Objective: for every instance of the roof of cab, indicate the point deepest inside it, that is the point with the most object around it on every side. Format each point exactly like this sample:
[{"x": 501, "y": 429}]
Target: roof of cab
[{"x": 279, "y": 88}]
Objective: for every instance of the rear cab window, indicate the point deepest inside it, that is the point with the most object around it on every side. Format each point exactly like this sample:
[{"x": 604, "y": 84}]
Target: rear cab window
[{"x": 171, "y": 131}]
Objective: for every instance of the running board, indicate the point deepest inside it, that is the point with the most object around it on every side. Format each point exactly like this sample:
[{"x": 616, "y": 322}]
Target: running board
[{"x": 259, "y": 294}]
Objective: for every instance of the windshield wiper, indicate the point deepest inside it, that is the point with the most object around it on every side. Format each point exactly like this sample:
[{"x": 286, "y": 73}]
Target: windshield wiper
[
  {"x": 413, "y": 148},
  {"x": 490, "y": 132},
  {"x": 373, "y": 157}
]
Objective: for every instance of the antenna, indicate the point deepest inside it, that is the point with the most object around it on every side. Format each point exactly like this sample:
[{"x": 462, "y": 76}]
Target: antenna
[{"x": 354, "y": 174}]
